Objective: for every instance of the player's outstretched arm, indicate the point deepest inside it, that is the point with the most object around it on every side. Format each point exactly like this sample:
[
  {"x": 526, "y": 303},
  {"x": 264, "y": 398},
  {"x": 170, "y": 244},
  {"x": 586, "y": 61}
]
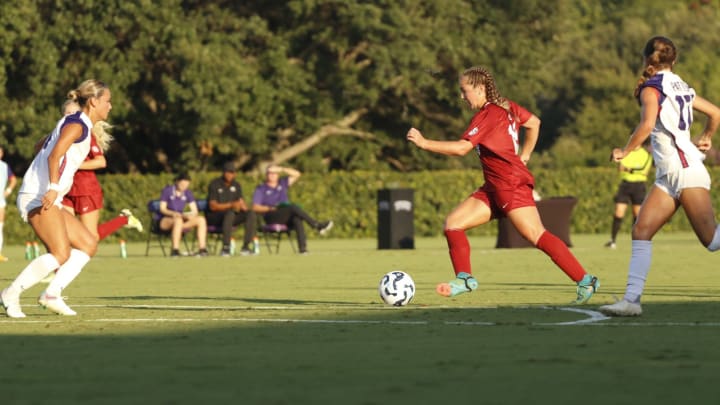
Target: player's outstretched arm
[{"x": 451, "y": 148}]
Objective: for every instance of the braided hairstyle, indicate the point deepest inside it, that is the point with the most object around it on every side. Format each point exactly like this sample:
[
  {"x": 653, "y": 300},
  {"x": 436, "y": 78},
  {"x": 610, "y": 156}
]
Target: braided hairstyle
[
  {"x": 478, "y": 75},
  {"x": 659, "y": 53}
]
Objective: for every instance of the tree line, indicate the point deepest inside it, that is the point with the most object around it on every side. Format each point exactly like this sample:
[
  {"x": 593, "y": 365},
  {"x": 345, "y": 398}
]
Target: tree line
[{"x": 334, "y": 85}]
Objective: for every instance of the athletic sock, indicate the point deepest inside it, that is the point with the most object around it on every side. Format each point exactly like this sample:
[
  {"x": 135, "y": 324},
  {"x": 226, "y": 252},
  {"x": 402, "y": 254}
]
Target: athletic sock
[
  {"x": 715, "y": 243},
  {"x": 561, "y": 255},
  {"x": 617, "y": 222},
  {"x": 639, "y": 269},
  {"x": 68, "y": 271},
  {"x": 106, "y": 228},
  {"x": 33, "y": 273},
  {"x": 2, "y": 241},
  {"x": 459, "y": 248}
]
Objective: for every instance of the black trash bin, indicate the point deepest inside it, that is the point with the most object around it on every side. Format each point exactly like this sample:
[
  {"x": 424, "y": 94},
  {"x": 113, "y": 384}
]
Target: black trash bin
[{"x": 395, "y": 219}]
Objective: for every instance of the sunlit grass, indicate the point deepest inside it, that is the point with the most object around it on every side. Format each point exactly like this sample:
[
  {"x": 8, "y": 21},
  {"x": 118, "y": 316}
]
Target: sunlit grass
[{"x": 282, "y": 329}]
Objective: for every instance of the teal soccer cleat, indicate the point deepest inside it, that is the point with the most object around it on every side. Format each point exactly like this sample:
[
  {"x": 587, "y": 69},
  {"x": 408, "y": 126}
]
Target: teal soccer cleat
[
  {"x": 586, "y": 288},
  {"x": 464, "y": 282}
]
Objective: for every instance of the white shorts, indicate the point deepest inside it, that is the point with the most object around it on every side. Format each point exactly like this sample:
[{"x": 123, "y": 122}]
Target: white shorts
[
  {"x": 3, "y": 203},
  {"x": 27, "y": 202},
  {"x": 674, "y": 182}
]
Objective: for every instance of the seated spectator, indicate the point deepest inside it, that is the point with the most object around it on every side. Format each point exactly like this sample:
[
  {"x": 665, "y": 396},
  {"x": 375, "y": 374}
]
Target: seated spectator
[
  {"x": 173, "y": 201},
  {"x": 271, "y": 199},
  {"x": 227, "y": 208}
]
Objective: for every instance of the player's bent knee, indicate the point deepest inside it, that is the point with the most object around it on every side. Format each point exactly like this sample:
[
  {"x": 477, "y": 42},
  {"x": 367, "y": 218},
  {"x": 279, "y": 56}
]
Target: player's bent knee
[{"x": 61, "y": 256}]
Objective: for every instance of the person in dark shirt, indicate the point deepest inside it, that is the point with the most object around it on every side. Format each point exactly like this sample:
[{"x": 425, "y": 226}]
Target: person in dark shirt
[{"x": 227, "y": 208}]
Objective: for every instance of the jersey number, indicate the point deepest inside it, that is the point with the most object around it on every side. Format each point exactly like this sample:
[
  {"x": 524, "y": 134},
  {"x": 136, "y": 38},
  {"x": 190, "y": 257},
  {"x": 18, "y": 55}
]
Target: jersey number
[{"x": 685, "y": 103}]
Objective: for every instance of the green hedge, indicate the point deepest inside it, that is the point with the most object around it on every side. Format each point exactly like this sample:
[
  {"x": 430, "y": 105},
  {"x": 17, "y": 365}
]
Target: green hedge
[{"x": 350, "y": 198}]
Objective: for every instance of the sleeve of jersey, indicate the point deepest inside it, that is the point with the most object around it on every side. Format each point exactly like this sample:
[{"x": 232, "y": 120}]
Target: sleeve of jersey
[
  {"x": 95, "y": 149},
  {"x": 165, "y": 194},
  {"x": 479, "y": 126},
  {"x": 73, "y": 119},
  {"x": 520, "y": 113},
  {"x": 654, "y": 83}
]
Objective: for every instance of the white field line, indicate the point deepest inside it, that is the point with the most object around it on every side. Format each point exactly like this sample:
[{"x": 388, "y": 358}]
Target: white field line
[{"x": 592, "y": 317}]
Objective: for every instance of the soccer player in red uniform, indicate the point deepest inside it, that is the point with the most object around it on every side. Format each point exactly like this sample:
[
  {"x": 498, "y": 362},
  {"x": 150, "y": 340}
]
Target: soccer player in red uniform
[
  {"x": 508, "y": 190},
  {"x": 85, "y": 198}
]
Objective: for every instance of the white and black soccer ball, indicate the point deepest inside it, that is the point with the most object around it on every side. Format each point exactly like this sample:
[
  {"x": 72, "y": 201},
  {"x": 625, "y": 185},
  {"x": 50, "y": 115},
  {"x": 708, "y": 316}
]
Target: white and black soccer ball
[{"x": 396, "y": 288}]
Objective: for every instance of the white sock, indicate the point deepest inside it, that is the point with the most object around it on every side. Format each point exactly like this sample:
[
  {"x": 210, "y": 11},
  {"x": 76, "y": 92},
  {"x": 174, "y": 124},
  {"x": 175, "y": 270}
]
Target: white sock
[
  {"x": 33, "y": 273},
  {"x": 639, "y": 269},
  {"x": 713, "y": 246},
  {"x": 2, "y": 241},
  {"x": 67, "y": 272}
]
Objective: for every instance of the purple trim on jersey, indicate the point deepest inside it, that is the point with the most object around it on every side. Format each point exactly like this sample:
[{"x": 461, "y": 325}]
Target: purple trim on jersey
[
  {"x": 272, "y": 196},
  {"x": 74, "y": 118},
  {"x": 681, "y": 155},
  {"x": 656, "y": 83},
  {"x": 176, "y": 202}
]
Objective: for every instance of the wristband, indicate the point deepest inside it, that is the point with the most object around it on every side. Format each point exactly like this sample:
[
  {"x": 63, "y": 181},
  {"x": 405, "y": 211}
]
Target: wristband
[{"x": 54, "y": 187}]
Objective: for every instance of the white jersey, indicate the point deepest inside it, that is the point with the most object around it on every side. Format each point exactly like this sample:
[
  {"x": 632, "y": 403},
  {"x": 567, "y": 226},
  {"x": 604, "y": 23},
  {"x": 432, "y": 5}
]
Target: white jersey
[
  {"x": 37, "y": 178},
  {"x": 672, "y": 146}
]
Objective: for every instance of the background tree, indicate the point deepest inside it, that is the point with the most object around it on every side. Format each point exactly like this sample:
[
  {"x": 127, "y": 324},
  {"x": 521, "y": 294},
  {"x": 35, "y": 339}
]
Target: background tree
[{"x": 331, "y": 85}]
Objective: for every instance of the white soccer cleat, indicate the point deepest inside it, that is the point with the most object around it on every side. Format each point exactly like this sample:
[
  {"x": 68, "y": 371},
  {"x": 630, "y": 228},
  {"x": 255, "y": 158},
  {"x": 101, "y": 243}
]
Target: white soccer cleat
[
  {"x": 11, "y": 305},
  {"x": 324, "y": 227},
  {"x": 133, "y": 221},
  {"x": 621, "y": 308},
  {"x": 55, "y": 304}
]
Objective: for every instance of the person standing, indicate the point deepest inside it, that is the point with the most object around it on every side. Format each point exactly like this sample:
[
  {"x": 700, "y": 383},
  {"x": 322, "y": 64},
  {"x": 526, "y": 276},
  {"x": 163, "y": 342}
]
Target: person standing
[
  {"x": 681, "y": 179},
  {"x": 508, "y": 190},
  {"x": 227, "y": 208},
  {"x": 173, "y": 201},
  {"x": 7, "y": 184},
  {"x": 69, "y": 243},
  {"x": 634, "y": 169},
  {"x": 272, "y": 200}
]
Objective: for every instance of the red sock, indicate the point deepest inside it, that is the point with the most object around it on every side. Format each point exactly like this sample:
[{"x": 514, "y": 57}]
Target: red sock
[
  {"x": 106, "y": 228},
  {"x": 459, "y": 250},
  {"x": 561, "y": 255}
]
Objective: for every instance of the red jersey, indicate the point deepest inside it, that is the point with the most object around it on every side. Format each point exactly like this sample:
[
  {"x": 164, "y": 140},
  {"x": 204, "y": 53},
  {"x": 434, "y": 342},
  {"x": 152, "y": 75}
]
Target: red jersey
[
  {"x": 85, "y": 182},
  {"x": 493, "y": 131}
]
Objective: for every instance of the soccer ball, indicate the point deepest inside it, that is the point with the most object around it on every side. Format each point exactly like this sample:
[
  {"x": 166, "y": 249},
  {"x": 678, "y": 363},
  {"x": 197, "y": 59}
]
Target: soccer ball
[{"x": 396, "y": 288}]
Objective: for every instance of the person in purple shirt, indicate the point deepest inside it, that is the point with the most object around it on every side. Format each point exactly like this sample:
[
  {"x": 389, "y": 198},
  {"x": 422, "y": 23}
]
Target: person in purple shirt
[
  {"x": 174, "y": 199},
  {"x": 272, "y": 201}
]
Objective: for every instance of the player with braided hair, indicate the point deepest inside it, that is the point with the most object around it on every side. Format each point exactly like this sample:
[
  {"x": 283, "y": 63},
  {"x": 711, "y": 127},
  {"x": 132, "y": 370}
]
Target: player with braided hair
[{"x": 508, "y": 190}]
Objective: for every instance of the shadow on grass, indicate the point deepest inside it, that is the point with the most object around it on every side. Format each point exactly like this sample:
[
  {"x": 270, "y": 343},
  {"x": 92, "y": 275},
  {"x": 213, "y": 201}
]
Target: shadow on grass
[
  {"x": 138, "y": 300},
  {"x": 90, "y": 359}
]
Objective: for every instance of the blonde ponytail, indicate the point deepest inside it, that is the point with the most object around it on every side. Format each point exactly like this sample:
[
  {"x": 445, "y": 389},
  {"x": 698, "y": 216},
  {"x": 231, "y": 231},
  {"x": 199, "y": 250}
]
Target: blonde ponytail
[{"x": 101, "y": 134}]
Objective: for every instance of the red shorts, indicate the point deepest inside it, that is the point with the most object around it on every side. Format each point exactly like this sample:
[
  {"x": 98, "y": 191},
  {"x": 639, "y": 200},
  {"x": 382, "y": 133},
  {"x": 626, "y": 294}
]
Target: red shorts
[
  {"x": 503, "y": 201},
  {"x": 82, "y": 204}
]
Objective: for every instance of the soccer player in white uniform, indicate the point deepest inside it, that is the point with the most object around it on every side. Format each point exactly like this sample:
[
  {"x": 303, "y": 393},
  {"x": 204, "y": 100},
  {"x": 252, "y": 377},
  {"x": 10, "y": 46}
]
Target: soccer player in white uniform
[
  {"x": 681, "y": 179},
  {"x": 7, "y": 184},
  {"x": 70, "y": 244}
]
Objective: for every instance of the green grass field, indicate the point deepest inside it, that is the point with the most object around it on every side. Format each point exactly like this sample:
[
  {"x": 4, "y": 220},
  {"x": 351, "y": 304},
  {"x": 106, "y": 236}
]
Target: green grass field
[{"x": 288, "y": 329}]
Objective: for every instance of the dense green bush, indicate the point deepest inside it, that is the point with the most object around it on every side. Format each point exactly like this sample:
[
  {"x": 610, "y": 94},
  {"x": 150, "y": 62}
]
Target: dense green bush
[{"x": 350, "y": 198}]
